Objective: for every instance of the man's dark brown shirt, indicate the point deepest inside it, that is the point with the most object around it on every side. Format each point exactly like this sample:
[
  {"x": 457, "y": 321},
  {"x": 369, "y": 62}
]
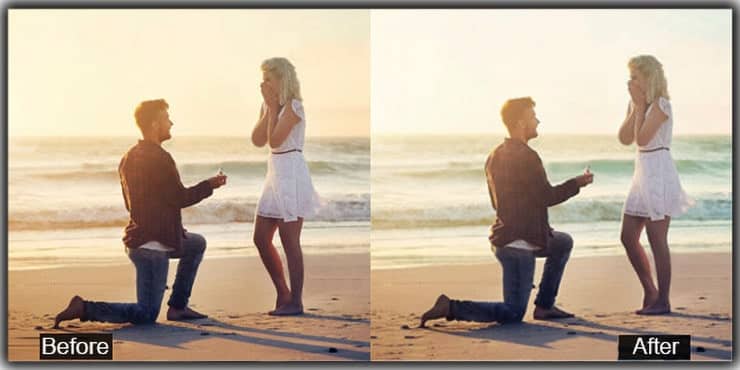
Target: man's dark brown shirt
[
  {"x": 154, "y": 196},
  {"x": 520, "y": 194}
]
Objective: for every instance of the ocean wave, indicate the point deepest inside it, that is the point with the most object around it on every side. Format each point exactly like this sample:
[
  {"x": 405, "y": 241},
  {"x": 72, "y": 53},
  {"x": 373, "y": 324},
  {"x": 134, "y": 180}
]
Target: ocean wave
[
  {"x": 577, "y": 210},
  {"x": 456, "y": 170},
  {"x": 346, "y": 209},
  {"x": 98, "y": 172}
]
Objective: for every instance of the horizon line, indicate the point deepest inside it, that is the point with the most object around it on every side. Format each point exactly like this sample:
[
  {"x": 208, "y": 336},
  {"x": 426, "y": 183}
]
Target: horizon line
[
  {"x": 478, "y": 133},
  {"x": 174, "y": 137}
]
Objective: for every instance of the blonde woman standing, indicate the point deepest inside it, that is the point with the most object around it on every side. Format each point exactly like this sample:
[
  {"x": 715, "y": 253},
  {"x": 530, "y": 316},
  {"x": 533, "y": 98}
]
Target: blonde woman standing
[
  {"x": 288, "y": 194},
  {"x": 655, "y": 195}
]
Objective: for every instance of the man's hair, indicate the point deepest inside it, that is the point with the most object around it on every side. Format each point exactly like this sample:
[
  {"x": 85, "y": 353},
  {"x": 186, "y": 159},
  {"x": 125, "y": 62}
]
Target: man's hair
[
  {"x": 513, "y": 109},
  {"x": 147, "y": 111}
]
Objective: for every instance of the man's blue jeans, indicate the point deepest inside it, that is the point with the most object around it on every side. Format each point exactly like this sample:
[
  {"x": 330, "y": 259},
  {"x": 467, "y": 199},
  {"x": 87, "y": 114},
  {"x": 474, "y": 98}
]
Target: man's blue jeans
[
  {"x": 518, "y": 266},
  {"x": 151, "y": 282}
]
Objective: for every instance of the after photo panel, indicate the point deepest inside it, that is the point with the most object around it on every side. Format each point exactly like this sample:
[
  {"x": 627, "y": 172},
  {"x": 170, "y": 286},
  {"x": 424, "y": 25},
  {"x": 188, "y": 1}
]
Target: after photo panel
[{"x": 547, "y": 182}]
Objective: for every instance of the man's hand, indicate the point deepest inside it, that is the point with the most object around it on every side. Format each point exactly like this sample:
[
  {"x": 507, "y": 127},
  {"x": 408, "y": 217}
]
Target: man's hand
[
  {"x": 585, "y": 179},
  {"x": 217, "y": 181}
]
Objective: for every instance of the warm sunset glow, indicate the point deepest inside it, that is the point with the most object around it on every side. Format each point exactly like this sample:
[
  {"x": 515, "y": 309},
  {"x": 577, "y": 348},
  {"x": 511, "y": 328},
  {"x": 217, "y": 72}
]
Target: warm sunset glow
[
  {"x": 82, "y": 72},
  {"x": 446, "y": 71}
]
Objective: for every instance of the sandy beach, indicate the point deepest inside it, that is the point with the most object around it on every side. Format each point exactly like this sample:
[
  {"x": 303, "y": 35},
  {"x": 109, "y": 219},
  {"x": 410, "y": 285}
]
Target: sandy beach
[
  {"x": 235, "y": 292},
  {"x": 602, "y": 292}
]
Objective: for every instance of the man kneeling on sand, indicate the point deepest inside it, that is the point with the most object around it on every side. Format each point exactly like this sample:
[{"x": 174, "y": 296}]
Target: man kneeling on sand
[
  {"x": 154, "y": 196},
  {"x": 520, "y": 193}
]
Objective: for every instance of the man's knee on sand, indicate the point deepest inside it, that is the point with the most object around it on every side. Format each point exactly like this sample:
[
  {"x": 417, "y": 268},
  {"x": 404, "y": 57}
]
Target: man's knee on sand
[
  {"x": 516, "y": 314},
  {"x": 145, "y": 316}
]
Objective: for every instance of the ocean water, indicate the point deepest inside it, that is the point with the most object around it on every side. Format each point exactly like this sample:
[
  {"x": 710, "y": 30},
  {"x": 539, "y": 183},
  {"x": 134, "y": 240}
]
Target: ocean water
[
  {"x": 431, "y": 206},
  {"x": 65, "y": 205}
]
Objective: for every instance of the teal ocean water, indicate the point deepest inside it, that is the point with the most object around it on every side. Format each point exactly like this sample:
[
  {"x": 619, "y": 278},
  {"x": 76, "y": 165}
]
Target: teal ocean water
[
  {"x": 430, "y": 201},
  {"x": 66, "y": 207}
]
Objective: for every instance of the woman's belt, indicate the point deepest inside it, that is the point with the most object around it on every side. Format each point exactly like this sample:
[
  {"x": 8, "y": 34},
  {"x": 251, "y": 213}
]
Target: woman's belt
[
  {"x": 653, "y": 150},
  {"x": 289, "y": 151}
]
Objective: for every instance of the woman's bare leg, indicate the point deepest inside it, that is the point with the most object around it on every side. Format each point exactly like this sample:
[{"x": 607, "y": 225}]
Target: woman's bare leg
[
  {"x": 290, "y": 235},
  {"x": 264, "y": 231},
  {"x": 657, "y": 232},
  {"x": 631, "y": 229}
]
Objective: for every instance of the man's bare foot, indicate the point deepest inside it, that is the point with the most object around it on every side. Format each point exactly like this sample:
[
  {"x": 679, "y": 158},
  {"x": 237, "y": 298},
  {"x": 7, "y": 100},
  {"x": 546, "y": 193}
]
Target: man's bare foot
[
  {"x": 74, "y": 310},
  {"x": 441, "y": 309},
  {"x": 290, "y": 309},
  {"x": 656, "y": 309},
  {"x": 550, "y": 314},
  {"x": 187, "y": 313},
  {"x": 648, "y": 300}
]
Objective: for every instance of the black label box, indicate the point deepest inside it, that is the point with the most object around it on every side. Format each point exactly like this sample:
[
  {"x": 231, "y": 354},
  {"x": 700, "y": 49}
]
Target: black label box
[
  {"x": 82, "y": 346},
  {"x": 654, "y": 347}
]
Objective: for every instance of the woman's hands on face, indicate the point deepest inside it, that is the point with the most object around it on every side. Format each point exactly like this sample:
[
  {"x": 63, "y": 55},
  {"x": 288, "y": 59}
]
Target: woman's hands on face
[
  {"x": 637, "y": 95},
  {"x": 269, "y": 95}
]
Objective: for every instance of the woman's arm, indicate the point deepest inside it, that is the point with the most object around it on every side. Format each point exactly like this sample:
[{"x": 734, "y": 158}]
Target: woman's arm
[
  {"x": 259, "y": 133},
  {"x": 279, "y": 129},
  {"x": 627, "y": 131},
  {"x": 639, "y": 119},
  {"x": 647, "y": 127}
]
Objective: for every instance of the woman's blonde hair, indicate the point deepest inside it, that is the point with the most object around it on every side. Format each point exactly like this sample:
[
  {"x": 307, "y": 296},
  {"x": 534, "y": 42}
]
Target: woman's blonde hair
[
  {"x": 651, "y": 68},
  {"x": 284, "y": 71}
]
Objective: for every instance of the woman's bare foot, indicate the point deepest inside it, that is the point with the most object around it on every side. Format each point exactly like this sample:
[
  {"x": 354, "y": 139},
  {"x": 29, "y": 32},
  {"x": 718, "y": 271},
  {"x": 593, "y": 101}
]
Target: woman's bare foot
[
  {"x": 658, "y": 308},
  {"x": 550, "y": 313},
  {"x": 282, "y": 300},
  {"x": 289, "y": 309},
  {"x": 74, "y": 310},
  {"x": 441, "y": 309},
  {"x": 649, "y": 299}
]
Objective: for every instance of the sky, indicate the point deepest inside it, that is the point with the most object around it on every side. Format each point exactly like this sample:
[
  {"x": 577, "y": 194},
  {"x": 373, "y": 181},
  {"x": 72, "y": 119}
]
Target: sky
[
  {"x": 82, "y": 72},
  {"x": 450, "y": 71}
]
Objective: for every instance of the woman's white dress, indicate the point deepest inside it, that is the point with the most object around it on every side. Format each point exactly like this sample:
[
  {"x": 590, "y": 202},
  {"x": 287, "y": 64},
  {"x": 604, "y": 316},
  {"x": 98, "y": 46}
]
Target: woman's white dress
[
  {"x": 288, "y": 192},
  {"x": 656, "y": 191}
]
